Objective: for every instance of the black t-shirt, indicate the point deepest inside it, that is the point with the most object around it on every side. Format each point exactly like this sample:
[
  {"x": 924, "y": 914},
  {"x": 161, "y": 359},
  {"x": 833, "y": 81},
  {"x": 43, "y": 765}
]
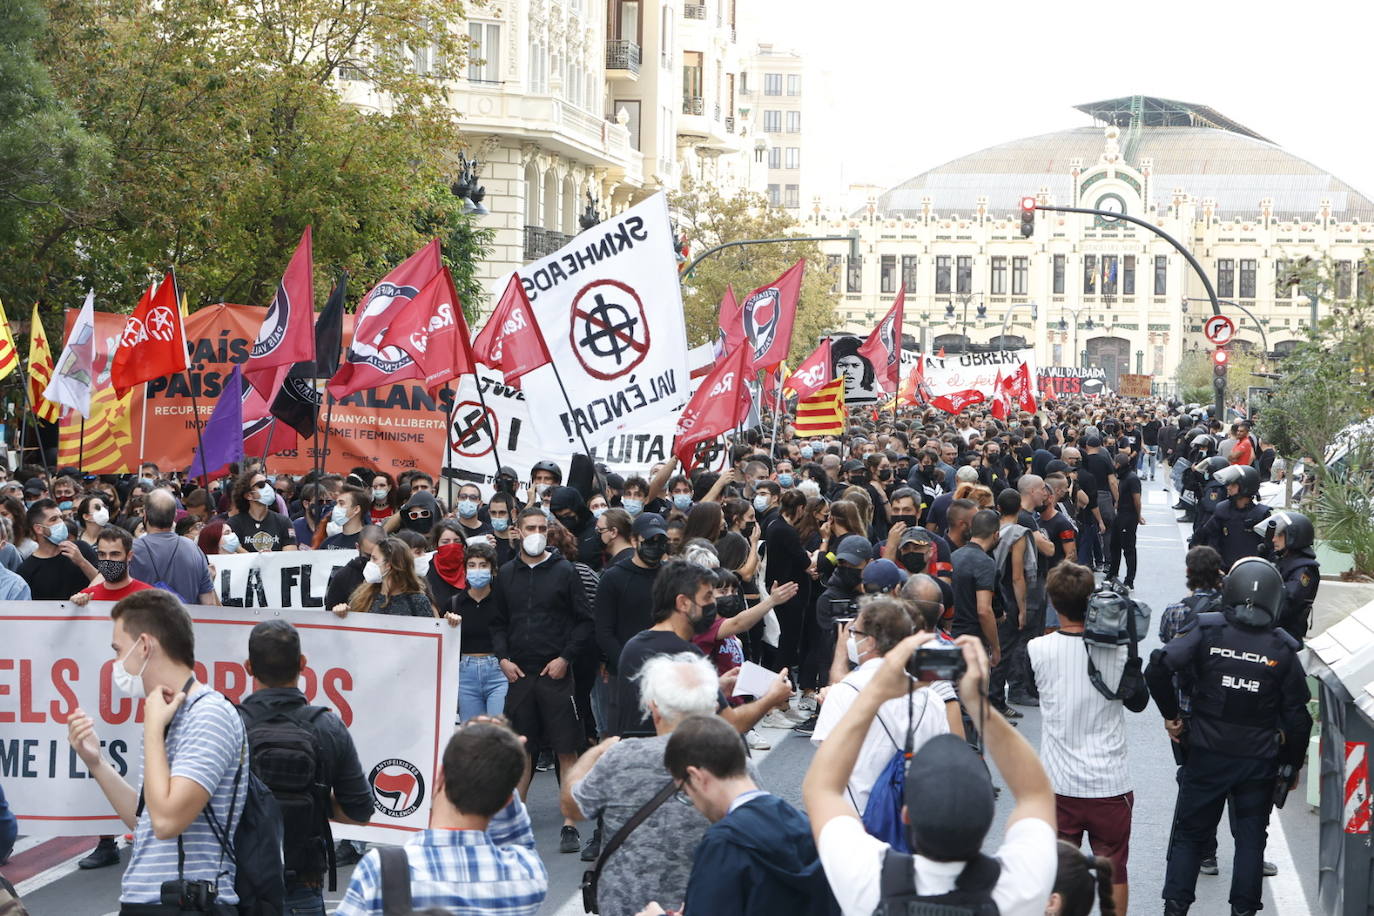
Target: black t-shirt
[
  {"x": 974, "y": 571},
  {"x": 642, "y": 647},
  {"x": 1060, "y": 531},
  {"x": 1151, "y": 432},
  {"x": 56, "y": 578},
  {"x": 1126, "y": 492},
  {"x": 1129, "y": 442},
  {"x": 1099, "y": 465},
  {"x": 341, "y": 541},
  {"x": 477, "y": 617},
  {"x": 273, "y": 533}
]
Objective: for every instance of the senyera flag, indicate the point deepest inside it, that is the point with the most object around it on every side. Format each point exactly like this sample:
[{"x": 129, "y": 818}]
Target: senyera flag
[
  {"x": 287, "y": 333},
  {"x": 511, "y": 341},
  {"x": 813, "y": 373},
  {"x": 728, "y": 320},
  {"x": 720, "y": 404},
  {"x": 822, "y": 414},
  {"x": 767, "y": 316},
  {"x": 153, "y": 344},
  {"x": 368, "y": 363},
  {"x": 432, "y": 329},
  {"x": 884, "y": 346}
]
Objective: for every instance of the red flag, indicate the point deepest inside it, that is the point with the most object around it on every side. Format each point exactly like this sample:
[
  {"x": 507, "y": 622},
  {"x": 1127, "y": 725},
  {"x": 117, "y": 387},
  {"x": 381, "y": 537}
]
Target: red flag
[
  {"x": 956, "y": 401},
  {"x": 367, "y": 363},
  {"x": 884, "y": 346},
  {"x": 153, "y": 344},
  {"x": 779, "y": 375},
  {"x": 720, "y": 404},
  {"x": 767, "y": 316},
  {"x": 1002, "y": 396},
  {"x": 941, "y": 354},
  {"x": 731, "y": 328},
  {"x": 1022, "y": 389},
  {"x": 813, "y": 373},
  {"x": 431, "y": 328},
  {"x": 287, "y": 335},
  {"x": 261, "y": 434},
  {"x": 914, "y": 385},
  {"x": 511, "y": 340}
]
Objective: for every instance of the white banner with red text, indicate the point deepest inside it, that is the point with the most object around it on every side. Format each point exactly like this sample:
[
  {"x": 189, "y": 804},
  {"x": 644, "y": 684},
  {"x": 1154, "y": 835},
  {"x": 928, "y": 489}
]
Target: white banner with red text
[{"x": 56, "y": 659}]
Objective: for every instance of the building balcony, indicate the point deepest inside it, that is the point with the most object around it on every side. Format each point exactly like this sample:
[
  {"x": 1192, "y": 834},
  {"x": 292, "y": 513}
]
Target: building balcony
[
  {"x": 693, "y": 105},
  {"x": 622, "y": 59},
  {"x": 694, "y": 11},
  {"x": 540, "y": 242}
]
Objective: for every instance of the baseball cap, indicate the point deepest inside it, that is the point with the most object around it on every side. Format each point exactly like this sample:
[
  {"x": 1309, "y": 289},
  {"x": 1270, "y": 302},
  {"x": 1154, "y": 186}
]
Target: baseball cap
[
  {"x": 854, "y": 548},
  {"x": 649, "y": 525},
  {"x": 948, "y": 799},
  {"x": 34, "y": 487},
  {"x": 851, "y": 465},
  {"x": 913, "y": 535},
  {"x": 882, "y": 576},
  {"x": 615, "y": 482},
  {"x": 1093, "y": 442}
]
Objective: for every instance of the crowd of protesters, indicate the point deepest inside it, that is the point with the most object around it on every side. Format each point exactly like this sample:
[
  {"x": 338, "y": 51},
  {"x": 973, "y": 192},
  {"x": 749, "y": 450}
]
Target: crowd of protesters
[{"x": 605, "y": 619}]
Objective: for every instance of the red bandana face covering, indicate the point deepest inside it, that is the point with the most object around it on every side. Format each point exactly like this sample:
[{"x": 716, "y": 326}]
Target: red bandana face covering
[{"x": 451, "y": 565}]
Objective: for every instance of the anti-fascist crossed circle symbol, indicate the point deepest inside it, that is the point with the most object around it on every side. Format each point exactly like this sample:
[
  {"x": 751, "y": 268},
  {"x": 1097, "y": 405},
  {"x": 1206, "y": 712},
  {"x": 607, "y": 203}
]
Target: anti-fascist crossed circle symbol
[
  {"x": 474, "y": 430},
  {"x": 609, "y": 333}
]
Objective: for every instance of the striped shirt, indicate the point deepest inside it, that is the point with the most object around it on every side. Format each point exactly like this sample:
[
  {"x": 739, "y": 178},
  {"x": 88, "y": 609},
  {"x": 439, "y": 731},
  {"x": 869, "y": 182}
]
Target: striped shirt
[
  {"x": 204, "y": 744},
  {"x": 462, "y": 872},
  {"x": 1083, "y": 734}
]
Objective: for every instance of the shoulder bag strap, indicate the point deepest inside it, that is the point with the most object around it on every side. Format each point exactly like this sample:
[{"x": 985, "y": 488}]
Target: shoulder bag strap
[
  {"x": 395, "y": 880},
  {"x": 628, "y": 827},
  {"x": 898, "y": 878}
]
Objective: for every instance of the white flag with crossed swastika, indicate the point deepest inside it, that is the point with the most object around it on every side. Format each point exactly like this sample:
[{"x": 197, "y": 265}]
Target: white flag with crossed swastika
[{"x": 610, "y": 309}]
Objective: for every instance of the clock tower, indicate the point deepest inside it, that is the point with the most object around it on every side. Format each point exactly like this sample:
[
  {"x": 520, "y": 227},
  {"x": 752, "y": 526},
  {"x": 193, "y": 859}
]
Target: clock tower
[{"x": 1112, "y": 184}]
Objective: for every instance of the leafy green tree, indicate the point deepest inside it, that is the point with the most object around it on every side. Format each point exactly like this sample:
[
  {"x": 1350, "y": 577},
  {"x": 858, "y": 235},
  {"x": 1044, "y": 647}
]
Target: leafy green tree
[
  {"x": 234, "y": 124},
  {"x": 46, "y": 156},
  {"x": 1194, "y": 374},
  {"x": 708, "y": 218}
]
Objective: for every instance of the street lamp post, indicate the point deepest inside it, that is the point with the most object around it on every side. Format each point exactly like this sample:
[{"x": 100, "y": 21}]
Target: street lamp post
[
  {"x": 852, "y": 238},
  {"x": 1006, "y": 321},
  {"x": 1139, "y": 361},
  {"x": 962, "y": 324},
  {"x": 1087, "y": 326},
  {"x": 467, "y": 185}
]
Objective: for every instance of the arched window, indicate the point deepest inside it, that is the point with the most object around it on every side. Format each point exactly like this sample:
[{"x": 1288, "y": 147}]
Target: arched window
[
  {"x": 550, "y": 200},
  {"x": 569, "y": 206},
  {"x": 951, "y": 343},
  {"x": 531, "y": 195}
]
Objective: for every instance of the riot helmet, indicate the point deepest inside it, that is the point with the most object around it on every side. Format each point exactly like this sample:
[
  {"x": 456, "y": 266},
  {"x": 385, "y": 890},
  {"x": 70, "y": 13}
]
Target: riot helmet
[
  {"x": 1209, "y": 466},
  {"x": 1243, "y": 476},
  {"x": 1295, "y": 527},
  {"x": 1253, "y": 594},
  {"x": 550, "y": 467}
]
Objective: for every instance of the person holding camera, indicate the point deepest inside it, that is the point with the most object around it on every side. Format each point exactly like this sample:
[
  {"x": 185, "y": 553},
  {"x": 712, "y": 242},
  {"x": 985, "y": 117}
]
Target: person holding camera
[
  {"x": 194, "y": 750},
  {"x": 1083, "y": 733},
  {"x": 949, "y": 806},
  {"x": 1247, "y": 734}
]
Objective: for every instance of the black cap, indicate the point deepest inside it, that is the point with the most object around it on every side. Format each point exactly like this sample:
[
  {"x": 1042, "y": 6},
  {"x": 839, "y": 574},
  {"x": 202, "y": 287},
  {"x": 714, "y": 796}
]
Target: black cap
[
  {"x": 1092, "y": 442},
  {"x": 853, "y": 464},
  {"x": 949, "y": 799},
  {"x": 34, "y": 486},
  {"x": 649, "y": 525},
  {"x": 854, "y": 548},
  {"x": 615, "y": 482}
]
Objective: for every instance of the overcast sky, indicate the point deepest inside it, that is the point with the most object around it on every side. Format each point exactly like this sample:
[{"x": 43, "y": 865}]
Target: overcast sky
[{"x": 896, "y": 87}]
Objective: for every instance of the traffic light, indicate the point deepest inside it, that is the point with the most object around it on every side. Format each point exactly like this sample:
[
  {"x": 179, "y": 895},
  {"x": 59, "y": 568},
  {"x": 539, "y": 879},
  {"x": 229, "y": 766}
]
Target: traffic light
[
  {"x": 1027, "y": 217},
  {"x": 1219, "y": 360}
]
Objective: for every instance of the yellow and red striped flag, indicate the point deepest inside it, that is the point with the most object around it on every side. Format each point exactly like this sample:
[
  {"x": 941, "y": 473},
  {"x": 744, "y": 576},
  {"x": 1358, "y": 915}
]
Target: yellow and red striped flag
[
  {"x": 40, "y": 370},
  {"x": 108, "y": 433},
  {"x": 822, "y": 414},
  {"x": 9, "y": 353}
]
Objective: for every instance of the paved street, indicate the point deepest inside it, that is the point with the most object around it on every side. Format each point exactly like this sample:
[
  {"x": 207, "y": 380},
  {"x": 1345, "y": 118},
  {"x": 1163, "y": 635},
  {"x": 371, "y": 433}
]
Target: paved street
[{"x": 46, "y": 873}]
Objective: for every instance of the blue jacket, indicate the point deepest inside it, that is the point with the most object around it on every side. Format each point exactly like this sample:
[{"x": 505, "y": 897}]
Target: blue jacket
[{"x": 759, "y": 859}]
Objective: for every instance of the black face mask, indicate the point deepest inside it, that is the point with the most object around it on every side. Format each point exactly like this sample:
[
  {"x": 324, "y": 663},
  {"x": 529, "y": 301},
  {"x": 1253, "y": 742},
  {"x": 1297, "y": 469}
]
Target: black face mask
[
  {"x": 885, "y": 474},
  {"x": 708, "y": 616},
  {"x": 913, "y": 562},
  {"x": 857, "y": 480},
  {"x": 908, "y": 520},
  {"x": 748, "y": 530},
  {"x": 652, "y": 552},
  {"x": 730, "y": 605},
  {"x": 849, "y": 578}
]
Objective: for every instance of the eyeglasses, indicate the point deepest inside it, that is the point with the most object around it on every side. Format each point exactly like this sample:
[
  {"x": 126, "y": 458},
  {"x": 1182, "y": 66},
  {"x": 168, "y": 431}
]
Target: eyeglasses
[{"x": 417, "y": 513}]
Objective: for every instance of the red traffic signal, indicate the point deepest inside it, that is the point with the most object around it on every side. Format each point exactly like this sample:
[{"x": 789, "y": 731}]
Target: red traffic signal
[
  {"x": 1027, "y": 217},
  {"x": 1219, "y": 357}
]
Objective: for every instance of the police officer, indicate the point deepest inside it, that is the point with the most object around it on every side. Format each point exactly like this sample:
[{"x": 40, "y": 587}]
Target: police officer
[
  {"x": 1288, "y": 540},
  {"x": 1249, "y": 719},
  {"x": 1231, "y": 529},
  {"x": 1209, "y": 491}
]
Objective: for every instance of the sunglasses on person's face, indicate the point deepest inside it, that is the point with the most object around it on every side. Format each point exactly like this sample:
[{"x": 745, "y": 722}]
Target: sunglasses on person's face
[{"x": 417, "y": 513}]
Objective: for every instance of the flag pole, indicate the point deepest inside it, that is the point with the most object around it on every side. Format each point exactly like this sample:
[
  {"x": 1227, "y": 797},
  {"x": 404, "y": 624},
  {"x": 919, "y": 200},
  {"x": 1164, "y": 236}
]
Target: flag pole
[
  {"x": 777, "y": 409},
  {"x": 81, "y": 447},
  {"x": 328, "y": 419},
  {"x": 566, "y": 400},
  {"x": 481, "y": 397},
  {"x": 271, "y": 428}
]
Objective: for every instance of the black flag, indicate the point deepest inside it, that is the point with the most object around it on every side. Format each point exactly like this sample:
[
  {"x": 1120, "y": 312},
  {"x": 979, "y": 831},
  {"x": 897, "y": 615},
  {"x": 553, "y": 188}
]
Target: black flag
[{"x": 297, "y": 404}]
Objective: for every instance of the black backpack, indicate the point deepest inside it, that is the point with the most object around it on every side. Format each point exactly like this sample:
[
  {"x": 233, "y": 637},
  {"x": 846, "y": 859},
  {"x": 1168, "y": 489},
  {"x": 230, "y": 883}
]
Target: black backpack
[
  {"x": 285, "y": 753},
  {"x": 972, "y": 894},
  {"x": 1111, "y": 620}
]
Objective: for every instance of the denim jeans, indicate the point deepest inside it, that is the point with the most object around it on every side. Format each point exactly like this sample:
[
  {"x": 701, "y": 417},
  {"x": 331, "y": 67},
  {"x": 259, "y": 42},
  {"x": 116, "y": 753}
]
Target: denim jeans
[
  {"x": 481, "y": 687},
  {"x": 301, "y": 900}
]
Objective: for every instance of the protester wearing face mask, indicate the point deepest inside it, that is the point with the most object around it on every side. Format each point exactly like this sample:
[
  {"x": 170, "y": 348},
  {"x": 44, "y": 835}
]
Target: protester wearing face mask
[
  {"x": 345, "y": 520},
  {"x": 384, "y": 498},
  {"x": 468, "y": 510},
  {"x": 543, "y": 476},
  {"x": 680, "y": 494},
  {"x": 543, "y": 622},
  {"x": 192, "y": 741},
  {"x": 60, "y": 566},
  {"x": 502, "y": 511},
  {"x": 344, "y": 580},
  {"x": 445, "y": 576},
  {"x": 112, "y": 560},
  {"x": 482, "y": 685},
  {"x": 92, "y": 515},
  {"x": 635, "y": 493},
  {"x": 569, "y": 509},
  {"x": 260, "y": 528},
  {"x": 390, "y": 585},
  {"x": 419, "y": 514},
  {"x": 624, "y": 599}
]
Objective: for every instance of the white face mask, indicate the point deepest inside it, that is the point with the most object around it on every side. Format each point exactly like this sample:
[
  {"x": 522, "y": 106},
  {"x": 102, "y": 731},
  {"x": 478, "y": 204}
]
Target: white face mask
[
  {"x": 534, "y": 544},
  {"x": 372, "y": 573},
  {"x": 761, "y": 503},
  {"x": 267, "y": 496},
  {"x": 332, "y": 528},
  {"x": 422, "y": 565},
  {"x": 127, "y": 682},
  {"x": 101, "y": 517},
  {"x": 229, "y": 542},
  {"x": 851, "y": 648},
  {"x": 339, "y": 517}
]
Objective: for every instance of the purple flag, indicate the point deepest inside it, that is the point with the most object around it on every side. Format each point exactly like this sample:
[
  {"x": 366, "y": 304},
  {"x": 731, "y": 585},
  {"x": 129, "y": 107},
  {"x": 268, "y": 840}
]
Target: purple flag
[{"x": 222, "y": 437}]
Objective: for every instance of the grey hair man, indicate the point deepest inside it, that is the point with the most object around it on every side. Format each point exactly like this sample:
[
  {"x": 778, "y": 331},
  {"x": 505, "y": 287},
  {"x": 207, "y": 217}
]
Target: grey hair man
[
  {"x": 164, "y": 559},
  {"x": 619, "y": 776}
]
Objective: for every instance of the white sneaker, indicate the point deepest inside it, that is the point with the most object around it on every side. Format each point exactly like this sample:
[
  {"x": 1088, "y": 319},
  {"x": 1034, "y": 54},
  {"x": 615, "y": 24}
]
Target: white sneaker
[
  {"x": 775, "y": 719},
  {"x": 807, "y": 704},
  {"x": 756, "y": 741},
  {"x": 796, "y": 715}
]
